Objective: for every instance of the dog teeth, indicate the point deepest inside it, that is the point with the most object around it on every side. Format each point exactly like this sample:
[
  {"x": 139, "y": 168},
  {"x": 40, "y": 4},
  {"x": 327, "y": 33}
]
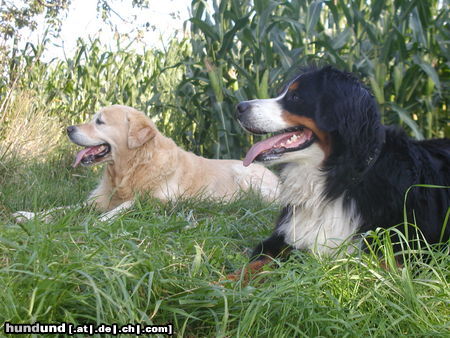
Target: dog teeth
[{"x": 292, "y": 139}]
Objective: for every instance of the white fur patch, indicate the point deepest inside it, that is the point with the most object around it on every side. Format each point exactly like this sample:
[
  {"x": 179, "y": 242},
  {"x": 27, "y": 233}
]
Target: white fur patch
[
  {"x": 315, "y": 223},
  {"x": 267, "y": 115}
]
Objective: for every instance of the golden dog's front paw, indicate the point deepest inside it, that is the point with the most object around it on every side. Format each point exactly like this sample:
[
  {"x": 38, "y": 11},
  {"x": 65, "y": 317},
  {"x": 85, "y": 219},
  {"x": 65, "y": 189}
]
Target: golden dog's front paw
[
  {"x": 107, "y": 216},
  {"x": 23, "y": 216}
]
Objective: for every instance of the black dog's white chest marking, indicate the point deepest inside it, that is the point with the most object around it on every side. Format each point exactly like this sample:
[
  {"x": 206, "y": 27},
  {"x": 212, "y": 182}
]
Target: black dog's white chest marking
[{"x": 314, "y": 222}]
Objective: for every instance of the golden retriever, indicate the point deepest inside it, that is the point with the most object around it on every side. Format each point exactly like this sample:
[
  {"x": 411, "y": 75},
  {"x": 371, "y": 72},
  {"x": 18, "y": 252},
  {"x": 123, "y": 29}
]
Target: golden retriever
[{"x": 140, "y": 160}]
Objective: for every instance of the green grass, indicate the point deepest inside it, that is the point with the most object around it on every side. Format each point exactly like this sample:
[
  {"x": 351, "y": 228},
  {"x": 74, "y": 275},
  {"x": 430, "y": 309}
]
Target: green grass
[{"x": 166, "y": 264}]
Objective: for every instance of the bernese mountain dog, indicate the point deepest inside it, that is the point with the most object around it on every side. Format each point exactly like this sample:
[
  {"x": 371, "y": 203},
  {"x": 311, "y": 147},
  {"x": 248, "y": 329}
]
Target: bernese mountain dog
[{"x": 344, "y": 173}]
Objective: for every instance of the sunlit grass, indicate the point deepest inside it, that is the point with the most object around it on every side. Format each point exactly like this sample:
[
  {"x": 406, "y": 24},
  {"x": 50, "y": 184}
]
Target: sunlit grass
[
  {"x": 27, "y": 130},
  {"x": 166, "y": 263}
]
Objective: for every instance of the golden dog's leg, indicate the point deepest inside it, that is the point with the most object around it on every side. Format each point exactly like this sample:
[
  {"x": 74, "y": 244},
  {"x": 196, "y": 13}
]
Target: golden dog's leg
[
  {"x": 118, "y": 210},
  {"x": 24, "y": 216}
]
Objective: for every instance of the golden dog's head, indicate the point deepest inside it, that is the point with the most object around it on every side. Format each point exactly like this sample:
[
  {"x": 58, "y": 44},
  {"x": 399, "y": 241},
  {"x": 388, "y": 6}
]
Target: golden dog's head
[{"x": 113, "y": 130}]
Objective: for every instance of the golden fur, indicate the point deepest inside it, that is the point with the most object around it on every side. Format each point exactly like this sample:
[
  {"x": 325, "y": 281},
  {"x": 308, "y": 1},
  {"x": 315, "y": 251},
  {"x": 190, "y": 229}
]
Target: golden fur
[{"x": 143, "y": 161}]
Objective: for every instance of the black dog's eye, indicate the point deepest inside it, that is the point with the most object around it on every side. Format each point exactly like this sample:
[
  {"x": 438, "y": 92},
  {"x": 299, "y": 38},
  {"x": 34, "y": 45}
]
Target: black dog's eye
[
  {"x": 98, "y": 121},
  {"x": 295, "y": 97}
]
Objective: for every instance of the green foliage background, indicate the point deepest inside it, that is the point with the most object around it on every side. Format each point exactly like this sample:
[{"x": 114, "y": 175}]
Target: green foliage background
[{"x": 247, "y": 49}]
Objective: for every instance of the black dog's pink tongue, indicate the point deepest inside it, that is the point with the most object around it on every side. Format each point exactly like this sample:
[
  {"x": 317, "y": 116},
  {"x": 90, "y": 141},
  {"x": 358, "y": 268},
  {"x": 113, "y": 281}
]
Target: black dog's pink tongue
[
  {"x": 265, "y": 145},
  {"x": 260, "y": 147},
  {"x": 283, "y": 141},
  {"x": 84, "y": 152}
]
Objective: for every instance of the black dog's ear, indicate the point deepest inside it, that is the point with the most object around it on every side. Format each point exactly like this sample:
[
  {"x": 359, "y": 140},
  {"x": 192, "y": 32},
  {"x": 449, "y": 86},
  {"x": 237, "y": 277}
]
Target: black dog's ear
[
  {"x": 345, "y": 103},
  {"x": 349, "y": 114}
]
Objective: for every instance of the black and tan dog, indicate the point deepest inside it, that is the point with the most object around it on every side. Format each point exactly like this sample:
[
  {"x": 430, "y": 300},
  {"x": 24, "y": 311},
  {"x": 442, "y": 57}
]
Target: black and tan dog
[{"x": 344, "y": 172}]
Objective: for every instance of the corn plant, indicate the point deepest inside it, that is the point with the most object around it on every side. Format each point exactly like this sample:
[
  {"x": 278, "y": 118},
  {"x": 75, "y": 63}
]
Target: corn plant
[
  {"x": 240, "y": 50},
  {"x": 95, "y": 76},
  {"x": 246, "y": 49}
]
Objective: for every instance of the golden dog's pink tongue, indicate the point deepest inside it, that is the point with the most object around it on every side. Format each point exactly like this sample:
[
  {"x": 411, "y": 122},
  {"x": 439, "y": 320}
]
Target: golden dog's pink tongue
[
  {"x": 79, "y": 157},
  {"x": 278, "y": 141},
  {"x": 87, "y": 151}
]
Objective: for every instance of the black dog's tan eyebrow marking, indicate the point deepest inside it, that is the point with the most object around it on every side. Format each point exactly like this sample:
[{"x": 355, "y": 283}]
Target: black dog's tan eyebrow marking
[{"x": 293, "y": 85}]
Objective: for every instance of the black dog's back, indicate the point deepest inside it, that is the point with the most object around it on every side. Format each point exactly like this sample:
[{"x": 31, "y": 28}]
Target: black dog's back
[
  {"x": 412, "y": 179},
  {"x": 431, "y": 204}
]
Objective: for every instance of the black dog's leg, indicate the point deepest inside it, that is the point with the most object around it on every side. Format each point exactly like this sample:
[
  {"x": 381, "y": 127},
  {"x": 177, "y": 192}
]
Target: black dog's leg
[
  {"x": 275, "y": 244},
  {"x": 262, "y": 255},
  {"x": 271, "y": 247}
]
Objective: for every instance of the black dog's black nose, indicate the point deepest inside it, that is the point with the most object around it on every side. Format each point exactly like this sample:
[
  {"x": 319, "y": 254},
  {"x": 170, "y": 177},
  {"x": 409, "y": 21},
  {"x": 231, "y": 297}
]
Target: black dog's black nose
[
  {"x": 70, "y": 129},
  {"x": 242, "y": 108}
]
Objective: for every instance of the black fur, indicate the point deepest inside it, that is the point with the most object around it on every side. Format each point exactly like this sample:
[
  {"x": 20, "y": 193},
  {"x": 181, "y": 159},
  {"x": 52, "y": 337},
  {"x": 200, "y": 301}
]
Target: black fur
[
  {"x": 370, "y": 163},
  {"x": 275, "y": 245}
]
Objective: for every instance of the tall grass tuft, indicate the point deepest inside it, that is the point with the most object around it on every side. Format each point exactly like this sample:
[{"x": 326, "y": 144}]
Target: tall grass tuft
[{"x": 27, "y": 131}]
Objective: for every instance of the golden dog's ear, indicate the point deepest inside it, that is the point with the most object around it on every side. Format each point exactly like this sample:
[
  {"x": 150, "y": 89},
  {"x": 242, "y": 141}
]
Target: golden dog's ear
[{"x": 140, "y": 130}]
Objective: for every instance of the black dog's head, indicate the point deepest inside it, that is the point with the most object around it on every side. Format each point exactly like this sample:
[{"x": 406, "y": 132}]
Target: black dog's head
[{"x": 324, "y": 114}]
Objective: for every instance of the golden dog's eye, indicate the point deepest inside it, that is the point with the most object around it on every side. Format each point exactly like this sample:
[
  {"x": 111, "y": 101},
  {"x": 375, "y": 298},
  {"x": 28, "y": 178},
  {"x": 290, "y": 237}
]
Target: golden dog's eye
[{"x": 98, "y": 121}]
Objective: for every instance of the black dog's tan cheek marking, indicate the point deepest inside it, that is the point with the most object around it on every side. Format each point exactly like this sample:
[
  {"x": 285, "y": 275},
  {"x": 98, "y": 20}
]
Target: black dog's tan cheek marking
[{"x": 295, "y": 120}]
